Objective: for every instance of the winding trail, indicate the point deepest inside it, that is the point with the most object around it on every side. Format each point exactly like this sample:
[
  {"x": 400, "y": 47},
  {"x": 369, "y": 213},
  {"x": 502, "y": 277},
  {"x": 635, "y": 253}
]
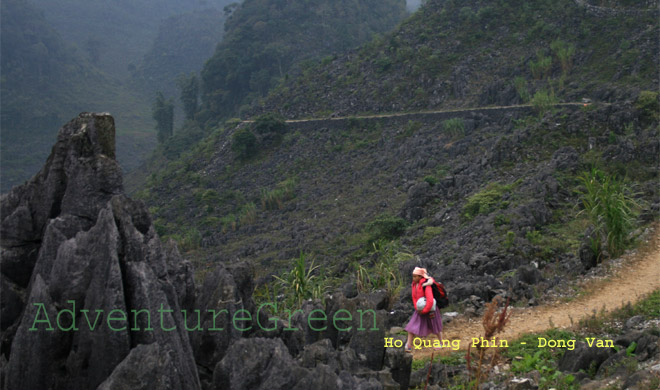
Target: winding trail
[
  {"x": 428, "y": 112},
  {"x": 637, "y": 275}
]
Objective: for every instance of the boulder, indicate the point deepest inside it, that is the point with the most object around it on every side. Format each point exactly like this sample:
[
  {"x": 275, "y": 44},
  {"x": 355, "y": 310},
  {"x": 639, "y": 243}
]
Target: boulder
[
  {"x": 583, "y": 358},
  {"x": 224, "y": 292}
]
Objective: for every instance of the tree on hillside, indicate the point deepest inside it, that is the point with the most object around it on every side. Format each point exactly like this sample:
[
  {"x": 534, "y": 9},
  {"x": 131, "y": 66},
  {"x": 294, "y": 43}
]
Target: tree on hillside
[
  {"x": 189, "y": 88},
  {"x": 163, "y": 114}
]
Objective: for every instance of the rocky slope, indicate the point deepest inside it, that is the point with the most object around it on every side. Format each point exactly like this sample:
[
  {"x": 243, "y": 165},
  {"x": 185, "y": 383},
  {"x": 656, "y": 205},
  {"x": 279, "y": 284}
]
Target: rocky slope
[
  {"x": 521, "y": 174},
  {"x": 475, "y": 53},
  {"x": 91, "y": 298}
]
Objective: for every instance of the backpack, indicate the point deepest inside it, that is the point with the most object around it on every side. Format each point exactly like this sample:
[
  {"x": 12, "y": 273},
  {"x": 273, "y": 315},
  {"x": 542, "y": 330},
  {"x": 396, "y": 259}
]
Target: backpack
[{"x": 440, "y": 295}]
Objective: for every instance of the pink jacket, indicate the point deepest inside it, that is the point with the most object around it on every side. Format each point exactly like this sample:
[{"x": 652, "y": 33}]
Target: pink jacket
[{"x": 423, "y": 289}]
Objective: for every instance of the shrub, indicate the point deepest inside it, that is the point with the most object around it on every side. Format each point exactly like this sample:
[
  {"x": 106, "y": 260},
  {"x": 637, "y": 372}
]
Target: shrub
[
  {"x": 299, "y": 283},
  {"x": 386, "y": 227},
  {"x": 385, "y": 273},
  {"x": 270, "y": 123},
  {"x": 244, "y": 144},
  {"x": 485, "y": 201},
  {"x": 534, "y": 237},
  {"x": 541, "y": 68},
  {"x": 183, "y": 140},
  {"x": 228, "y": 222},
  {"x": 247, "y": 214},
  {"x": 509, "y": 239},
  {"x": 431, "y": 180},
  {"x": 275, "y": 198},
  {"x": 520, "y": 83},
  {"x": 543, "y": 101},
  {"x": 190, "y": 239},
  {"x": 648, "y": 104},
  {"x": 610, "y": 208},
  {"x": 455, "y": 127},
  {"x": 564, "y": 52},
  {"x": 411, "y": 128},
  {"x": 210, "y": 197}
]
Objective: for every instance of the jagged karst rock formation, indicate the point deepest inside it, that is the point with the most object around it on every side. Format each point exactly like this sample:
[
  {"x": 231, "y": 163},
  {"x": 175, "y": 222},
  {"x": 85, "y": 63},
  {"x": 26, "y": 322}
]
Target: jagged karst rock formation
[
  {"x": 71, "y": 238},
  {"x": 92, "y": 299}
]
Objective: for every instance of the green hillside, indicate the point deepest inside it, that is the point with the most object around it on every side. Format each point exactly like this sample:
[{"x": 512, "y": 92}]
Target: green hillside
[
  {"x": 267, "y": 40},
  {"x": 490, "y": 200},
  {"x": 476, "y": 53}
]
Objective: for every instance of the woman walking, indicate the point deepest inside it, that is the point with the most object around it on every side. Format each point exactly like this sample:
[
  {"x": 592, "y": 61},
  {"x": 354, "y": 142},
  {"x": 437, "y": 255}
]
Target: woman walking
[{"x": 426, "y": 319}]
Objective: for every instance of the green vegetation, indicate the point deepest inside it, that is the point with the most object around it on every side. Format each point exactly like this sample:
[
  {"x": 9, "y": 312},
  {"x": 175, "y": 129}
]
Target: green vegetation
[
  {"x": 541, "y": 67},
  {"x": 275, "y": 198},
  {"x": 543, "y": 101},
  {"x": 244, "y": 144},
  {"x": 182, "y": 140},
  {"x": 270, "y": 123},
  {"x": 487, "y": 200},
  {"x": 611, "y": 209},
  {"x": 564, "y": 52},
  {"x": 386, "y": 227},
  {"x": 264, "y": 41},
  {"x": 411, "y": 128},
  {"x": 649, "y": 104},
  {"x": 528, "y": 357},
  {"x": 189, "y": 87},
  {"x": 520, "y": 83},
  {"x": 600, "y": 323},
  {"x": 455, "y": 127},
  {"x": 429, "y": 233},
  {"x": 163, "y": 114},
  {"x": 300, "y": 283},
  {"x": 271, "y": 128},
  {"x": 189, "y": 239},
  {"x": 384, "y": 273},
  {"x": 432, "y": 180}
]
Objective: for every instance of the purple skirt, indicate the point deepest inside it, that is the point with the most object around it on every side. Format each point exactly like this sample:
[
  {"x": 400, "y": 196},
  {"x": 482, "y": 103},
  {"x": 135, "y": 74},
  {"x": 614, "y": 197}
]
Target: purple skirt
[{"x": 423, "y": 325}]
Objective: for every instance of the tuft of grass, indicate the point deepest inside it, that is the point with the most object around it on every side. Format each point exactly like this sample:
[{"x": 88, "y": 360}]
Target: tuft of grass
[
  {"x": 520, "y": 83},
  {"x": 564, "y": 52},
  {"x": 543, "y": 101},
  {"x": 455, "y": 127},
  {"x": 384, "y": 273},
  {"x": 275, "y": 198},
  {"x": 487, "y": 200},
  {"x": 300, "y": 283},
  {"x": 541, "y": 68},
  {"x": 247, "y": 214},
  {"x": 611, "y": 209}
]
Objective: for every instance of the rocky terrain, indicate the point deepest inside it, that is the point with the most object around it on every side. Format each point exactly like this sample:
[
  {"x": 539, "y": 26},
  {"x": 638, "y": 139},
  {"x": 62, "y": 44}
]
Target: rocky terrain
[{"x": 74, "y": 244}]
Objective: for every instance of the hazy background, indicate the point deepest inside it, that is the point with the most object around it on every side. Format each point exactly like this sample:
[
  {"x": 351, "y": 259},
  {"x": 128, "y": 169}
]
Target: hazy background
[{"x": 63, "y": 57}]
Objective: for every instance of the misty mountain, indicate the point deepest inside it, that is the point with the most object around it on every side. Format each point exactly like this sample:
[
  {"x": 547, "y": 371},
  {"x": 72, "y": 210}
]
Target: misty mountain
[
  {"x": 114, "y": 34},
  {"x": 43, "y": 81},
  {"x": 58, "y": 60},
  {"x": 265, "y": 40},
  {"x": 183, "y": 44}
]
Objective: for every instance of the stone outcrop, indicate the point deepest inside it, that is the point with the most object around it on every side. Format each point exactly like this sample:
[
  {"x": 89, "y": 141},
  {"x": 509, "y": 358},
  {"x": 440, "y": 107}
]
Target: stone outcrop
[
  {"x": 91, "y": 291},
  {"x": 92, "y": 299}
]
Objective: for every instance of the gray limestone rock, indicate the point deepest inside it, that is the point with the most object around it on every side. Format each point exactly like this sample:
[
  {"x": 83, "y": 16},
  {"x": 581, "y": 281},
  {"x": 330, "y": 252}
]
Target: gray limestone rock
[{"x": 95, "y": 276}]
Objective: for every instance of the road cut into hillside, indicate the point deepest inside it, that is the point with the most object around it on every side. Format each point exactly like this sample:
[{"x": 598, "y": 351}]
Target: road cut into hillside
[{"x": 637, "y": 275}]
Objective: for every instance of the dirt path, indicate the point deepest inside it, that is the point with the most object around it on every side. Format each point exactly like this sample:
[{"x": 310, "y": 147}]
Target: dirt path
[
  {"x": 636, "y": 276},
  {"x": 428, "y": 112}
]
